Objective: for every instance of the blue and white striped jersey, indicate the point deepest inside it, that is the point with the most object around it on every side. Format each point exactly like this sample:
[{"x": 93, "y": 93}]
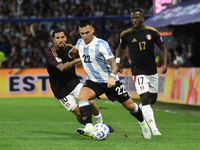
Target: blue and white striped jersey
[{"x": 94, "y": 59}]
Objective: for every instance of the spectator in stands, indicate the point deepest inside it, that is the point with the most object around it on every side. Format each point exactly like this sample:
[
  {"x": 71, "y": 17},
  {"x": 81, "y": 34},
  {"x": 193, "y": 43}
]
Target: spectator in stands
[
  {"x": 32, "y": 53},
  {"x": 180, "y": 59},
  {"x": 193, "y": 54},
  {"x": 27, "y": 62},
  {"x": 37, "y": 31},
  {"x": 171, "y": 56},
  {"x": 15, "y": 60},
  {"x": 5, "y": 45}
]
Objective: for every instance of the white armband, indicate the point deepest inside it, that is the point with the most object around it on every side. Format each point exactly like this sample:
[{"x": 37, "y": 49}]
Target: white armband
[
  {"x": 118, "y": 60},
  {"x": 112, "y": 75}
]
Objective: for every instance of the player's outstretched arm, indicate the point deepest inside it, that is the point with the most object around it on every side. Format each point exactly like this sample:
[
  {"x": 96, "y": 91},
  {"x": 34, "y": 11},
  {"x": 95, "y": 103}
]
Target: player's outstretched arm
[
  {"x": 68, "y": 65},
  {"x": 164, "y": 57},
  {"x": 120, "y": 52}
]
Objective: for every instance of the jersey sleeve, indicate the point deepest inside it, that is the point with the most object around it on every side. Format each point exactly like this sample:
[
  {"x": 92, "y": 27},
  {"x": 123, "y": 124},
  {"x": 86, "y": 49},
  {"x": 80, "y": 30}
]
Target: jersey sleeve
[
  {"x": 105, "y": 50},
  {"x": 122, "y": 40},
  {"x": 158, "y": 39},
  {"x": 52, "y": 59}
]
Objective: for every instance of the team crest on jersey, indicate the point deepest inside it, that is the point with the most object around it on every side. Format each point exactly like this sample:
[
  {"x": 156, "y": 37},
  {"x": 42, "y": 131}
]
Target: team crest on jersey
[
  {"x": 91, "y": 50},
  {"x": 58, "y": 59},
  {"x": 148, "y": 37}
]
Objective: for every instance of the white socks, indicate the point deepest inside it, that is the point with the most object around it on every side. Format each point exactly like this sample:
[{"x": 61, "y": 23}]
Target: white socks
[
  {"x": 149, "y": 116},
  {"x": 98, "y": 118}
]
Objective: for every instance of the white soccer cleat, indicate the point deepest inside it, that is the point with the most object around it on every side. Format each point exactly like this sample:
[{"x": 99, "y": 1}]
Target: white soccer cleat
[
  {"x": 156, "y": 132},
  {"x": 146, "y": 131},
  {"x": 87, "y": 131}
]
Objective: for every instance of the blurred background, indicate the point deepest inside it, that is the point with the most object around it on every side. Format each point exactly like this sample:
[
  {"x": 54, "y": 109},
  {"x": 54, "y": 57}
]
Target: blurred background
[{"x": 26, "y": 26}]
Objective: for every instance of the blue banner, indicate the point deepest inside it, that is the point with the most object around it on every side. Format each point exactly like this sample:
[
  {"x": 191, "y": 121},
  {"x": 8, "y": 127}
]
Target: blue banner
[{"x": 185, "y": 12}]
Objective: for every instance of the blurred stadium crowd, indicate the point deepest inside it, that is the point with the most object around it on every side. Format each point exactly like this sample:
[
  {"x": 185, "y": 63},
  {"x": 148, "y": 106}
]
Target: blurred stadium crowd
[{"x": 24, "y": 44}]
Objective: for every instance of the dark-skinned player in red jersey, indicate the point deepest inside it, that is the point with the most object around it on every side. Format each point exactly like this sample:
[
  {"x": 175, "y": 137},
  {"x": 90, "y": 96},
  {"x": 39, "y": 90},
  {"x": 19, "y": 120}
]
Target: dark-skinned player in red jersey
[
  {"x": 63, "y": 79},
  {"x": 140, "y": 40}
]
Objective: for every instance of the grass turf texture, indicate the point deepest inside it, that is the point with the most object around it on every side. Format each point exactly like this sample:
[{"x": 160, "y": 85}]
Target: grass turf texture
[{"x": 44, "y": 124}]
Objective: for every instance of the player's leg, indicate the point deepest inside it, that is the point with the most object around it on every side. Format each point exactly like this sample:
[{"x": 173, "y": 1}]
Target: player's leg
[
  {"x": 153, "y": 92},
  {"x": 95, "y": 110},
  {"x": 97, "y": 115},
  {"x": 120, "y": 93},
  {"x": 142, "y": 84},
  {"x": 70, "y": 104},
  {"x": 77, "y": 113},
  {"x": 85, "y": 110},
  {"x": 135, "y": 111},
  {"x": 153, "y": 98}
]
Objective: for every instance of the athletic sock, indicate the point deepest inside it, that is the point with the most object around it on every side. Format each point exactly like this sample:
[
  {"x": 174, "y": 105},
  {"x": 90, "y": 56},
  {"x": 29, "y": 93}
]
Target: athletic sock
[
  {"x": 98, "y": 118},
  {"x": 137, "y": 113},
  {"x": 149, "y": 116},
  {"x": 86, "y": 112}
]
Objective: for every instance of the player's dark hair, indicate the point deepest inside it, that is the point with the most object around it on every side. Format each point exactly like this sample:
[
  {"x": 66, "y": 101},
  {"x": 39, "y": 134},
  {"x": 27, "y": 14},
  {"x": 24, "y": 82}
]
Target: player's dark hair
[
  {"x": 57, "y": 30},
  {"x": 84, "y": 23},
  {"x": 138, "y": 10},
  {"x": 179, "y": 49}
]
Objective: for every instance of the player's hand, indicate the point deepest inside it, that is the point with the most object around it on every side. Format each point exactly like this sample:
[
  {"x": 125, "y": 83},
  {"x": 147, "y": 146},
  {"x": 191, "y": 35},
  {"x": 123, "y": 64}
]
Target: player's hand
[
  {"x": 110, "y": 82},
  {"x": 120, "y": 69},
  {"x": 163, "y": 69},
  {"x": 78, "y": 59}
]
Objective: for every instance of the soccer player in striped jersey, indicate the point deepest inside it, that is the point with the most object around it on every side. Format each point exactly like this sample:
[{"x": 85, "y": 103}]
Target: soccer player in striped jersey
[
  {"x": 100, "y": 68},
  {"x": 63, "y": 79},
  {"x": 140, "y": 40}
]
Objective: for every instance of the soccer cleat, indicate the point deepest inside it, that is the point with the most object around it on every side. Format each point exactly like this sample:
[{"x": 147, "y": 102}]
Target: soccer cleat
[
  {"x": 156, "y": 132},
  {"x": 146, "y": 131},
  {"x": 87, "y": 131},
  {"x": 110, "y": 128}
]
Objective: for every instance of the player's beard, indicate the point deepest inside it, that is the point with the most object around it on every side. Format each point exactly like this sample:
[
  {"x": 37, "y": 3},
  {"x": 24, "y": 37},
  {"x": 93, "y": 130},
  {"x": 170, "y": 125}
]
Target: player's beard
[{"x": 61, "y": 47}]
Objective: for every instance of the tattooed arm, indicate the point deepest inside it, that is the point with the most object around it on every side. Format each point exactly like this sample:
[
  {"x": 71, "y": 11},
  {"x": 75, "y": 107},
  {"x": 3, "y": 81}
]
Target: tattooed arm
[
  {"x": 68, "y": 65},
  {"x": 111, "y": 80},
  {"x": 113, "y": 65}
]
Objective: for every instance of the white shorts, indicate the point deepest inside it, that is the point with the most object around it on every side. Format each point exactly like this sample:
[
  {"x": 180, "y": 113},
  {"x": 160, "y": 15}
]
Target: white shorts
[
  {"x": 69, "y": 101},
  {"x": 146, "y": 83}
]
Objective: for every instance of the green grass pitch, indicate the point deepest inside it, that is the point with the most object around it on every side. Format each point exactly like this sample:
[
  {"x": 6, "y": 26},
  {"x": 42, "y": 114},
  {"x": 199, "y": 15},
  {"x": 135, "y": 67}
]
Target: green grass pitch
[{"x": 44, "y": 124}]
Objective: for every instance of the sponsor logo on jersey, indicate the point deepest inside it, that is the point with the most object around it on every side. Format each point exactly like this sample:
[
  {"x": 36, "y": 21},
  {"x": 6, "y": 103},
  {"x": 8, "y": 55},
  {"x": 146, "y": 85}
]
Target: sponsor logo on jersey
[
  {"x": 58, "y": 59},
  {"x": 125, "y": 95},
  {"x": 148, "y": 36},
  {"x": 134, "y": 40}
]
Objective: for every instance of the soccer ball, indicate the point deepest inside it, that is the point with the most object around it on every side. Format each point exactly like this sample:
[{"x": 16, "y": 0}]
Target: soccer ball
[{"x": 100, "y": 131}]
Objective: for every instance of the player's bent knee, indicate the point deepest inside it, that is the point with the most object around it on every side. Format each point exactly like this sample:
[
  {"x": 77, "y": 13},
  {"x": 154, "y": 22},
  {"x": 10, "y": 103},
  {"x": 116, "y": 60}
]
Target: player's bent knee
[
  {"x": 153, "y": 98},
  {"x": 129, "y": 104},
  {"x": 91, "y": 102}
]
